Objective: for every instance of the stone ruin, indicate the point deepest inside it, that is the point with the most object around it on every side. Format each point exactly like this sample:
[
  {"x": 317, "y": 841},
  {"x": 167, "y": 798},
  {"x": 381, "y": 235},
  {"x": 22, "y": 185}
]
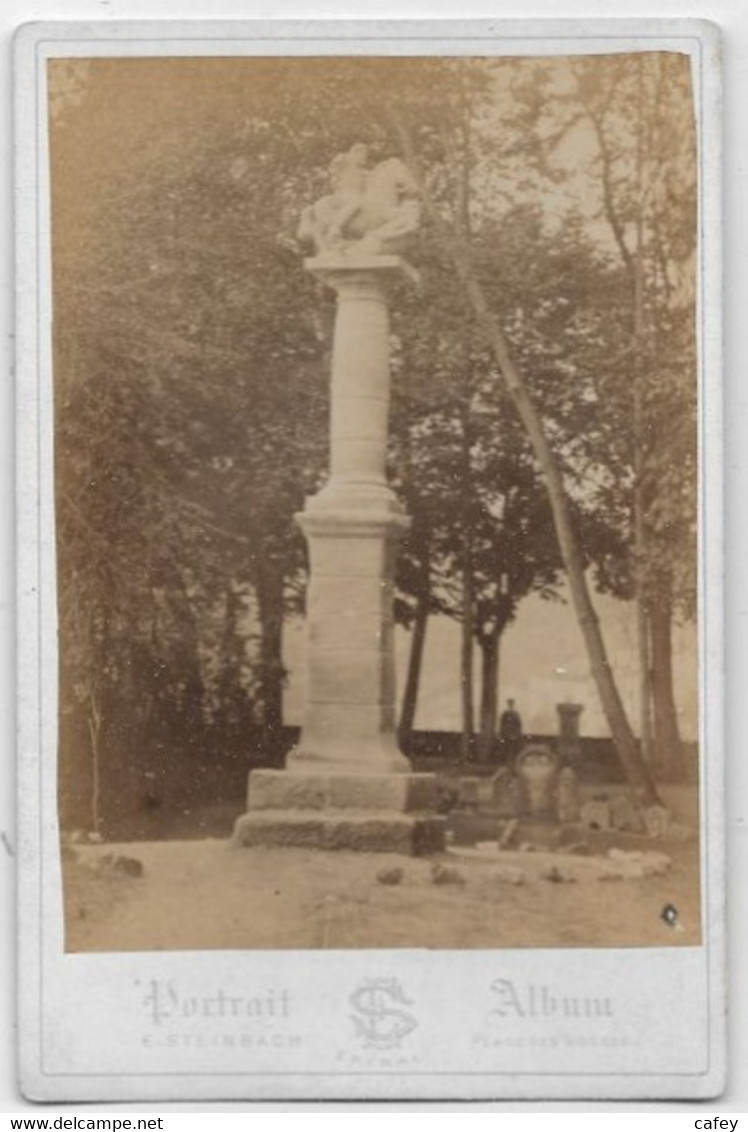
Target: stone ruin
[
  {"x": 538, "y": 786},
  {"x": 530, "y": 819}
]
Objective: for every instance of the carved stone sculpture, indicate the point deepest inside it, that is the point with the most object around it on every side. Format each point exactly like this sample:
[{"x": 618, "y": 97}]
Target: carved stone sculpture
[
  {"x": 536, "y": 767},
  {"x": 369, "y": 211}
]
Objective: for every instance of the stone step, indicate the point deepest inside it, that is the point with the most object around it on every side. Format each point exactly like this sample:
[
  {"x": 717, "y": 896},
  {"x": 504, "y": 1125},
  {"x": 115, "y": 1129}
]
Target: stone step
[
  {"x": 412, "y": 835},
  {"x": 323, "y": 790}
]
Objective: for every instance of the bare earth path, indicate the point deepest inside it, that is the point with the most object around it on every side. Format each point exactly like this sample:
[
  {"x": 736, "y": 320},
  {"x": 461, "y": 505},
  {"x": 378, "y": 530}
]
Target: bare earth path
[{"x": 210, "y": 894}]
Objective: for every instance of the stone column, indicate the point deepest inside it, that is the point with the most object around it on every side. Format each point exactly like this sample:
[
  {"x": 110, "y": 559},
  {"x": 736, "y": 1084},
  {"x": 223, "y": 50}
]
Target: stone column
[
  {"x": 347, "y": 784},
  {"x": 352, "y": 528}
]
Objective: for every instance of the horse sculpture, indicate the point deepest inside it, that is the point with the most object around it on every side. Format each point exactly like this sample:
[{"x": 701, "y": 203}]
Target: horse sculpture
[{"x": 369, "y": 211}]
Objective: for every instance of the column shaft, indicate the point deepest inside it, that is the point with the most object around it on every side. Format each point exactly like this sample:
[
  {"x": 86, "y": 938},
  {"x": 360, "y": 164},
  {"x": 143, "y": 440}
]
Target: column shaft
[{"x": 352, "y": 527}]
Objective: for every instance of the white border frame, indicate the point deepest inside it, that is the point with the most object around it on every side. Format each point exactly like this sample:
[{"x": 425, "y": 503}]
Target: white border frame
[{"x": 36, "y": 599}]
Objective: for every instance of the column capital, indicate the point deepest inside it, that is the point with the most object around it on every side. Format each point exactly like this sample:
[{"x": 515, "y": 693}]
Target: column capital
[
  {"x": 350, "y": 271},
  {"x": 568, "y": 708}
]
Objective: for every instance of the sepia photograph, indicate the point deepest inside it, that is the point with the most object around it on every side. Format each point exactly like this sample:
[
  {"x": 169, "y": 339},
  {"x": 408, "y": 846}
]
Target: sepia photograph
[{"x": 376, "y": 462}]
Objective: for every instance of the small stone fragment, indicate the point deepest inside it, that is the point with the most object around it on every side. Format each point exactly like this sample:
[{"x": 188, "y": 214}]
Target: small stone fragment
[
  {"x": 624, "y": 815},
  {"x": 595, "y": 814},
  {"x": 441, "y": 874},
  {"x": 656, "y": 822},
  {"x": 558, "y": 876},
  {"x": 390, "y": 875},
  {"x": 130, "y": 866}
]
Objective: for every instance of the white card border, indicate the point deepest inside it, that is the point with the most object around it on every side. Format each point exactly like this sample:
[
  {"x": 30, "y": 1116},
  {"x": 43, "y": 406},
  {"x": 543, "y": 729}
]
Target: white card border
[{"x": 34, "y": 468}]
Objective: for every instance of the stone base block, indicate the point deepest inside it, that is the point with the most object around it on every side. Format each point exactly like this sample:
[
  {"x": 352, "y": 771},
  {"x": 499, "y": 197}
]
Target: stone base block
[
  {"x": 286, "y": 790},
  {"x": 369, "y": 832}
]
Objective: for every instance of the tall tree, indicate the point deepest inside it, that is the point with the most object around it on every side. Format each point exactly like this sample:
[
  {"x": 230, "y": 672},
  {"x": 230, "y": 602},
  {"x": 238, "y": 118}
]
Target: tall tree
[
  {"x": 467, "y": 463},
  {"x": 179, "y": 467},
  {"x": 642, "y": 117},
  {"x": 456, "y": 244}
]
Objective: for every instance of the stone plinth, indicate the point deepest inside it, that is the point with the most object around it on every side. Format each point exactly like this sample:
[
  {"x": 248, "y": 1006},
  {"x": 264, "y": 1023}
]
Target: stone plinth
[
  {"x": 400, "y": 793},
  {"x": 347, "y": 784},
  {"x": 369, "y": 832},
  {"x": 371, "y": 813},
  {"x": 349, "y": 718}
]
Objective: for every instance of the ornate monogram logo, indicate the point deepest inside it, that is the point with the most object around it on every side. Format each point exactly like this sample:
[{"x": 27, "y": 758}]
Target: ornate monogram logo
[{"x": 380, "y": 1021}]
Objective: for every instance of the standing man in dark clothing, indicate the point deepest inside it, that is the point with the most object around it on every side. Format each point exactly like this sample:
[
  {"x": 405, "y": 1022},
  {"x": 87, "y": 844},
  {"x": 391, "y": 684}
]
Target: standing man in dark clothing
[{"x": 510, "y": 732}]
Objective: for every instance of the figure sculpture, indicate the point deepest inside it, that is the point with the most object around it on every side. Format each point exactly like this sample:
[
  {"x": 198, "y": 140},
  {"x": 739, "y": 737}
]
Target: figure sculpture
[
  {"x": 536, "y": 767},
  {"x": 369, "y": 211}
]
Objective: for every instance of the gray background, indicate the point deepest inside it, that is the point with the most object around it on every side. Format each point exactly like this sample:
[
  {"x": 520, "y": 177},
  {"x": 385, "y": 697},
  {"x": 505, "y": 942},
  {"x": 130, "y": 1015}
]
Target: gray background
[{"x": 732, "y": 16}]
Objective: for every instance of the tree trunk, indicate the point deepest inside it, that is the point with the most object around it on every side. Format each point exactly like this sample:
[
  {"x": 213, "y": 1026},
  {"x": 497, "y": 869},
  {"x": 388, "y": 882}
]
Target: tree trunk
[
  {"x": 468, "y": 580},
  {"x": 637, "y": 773},
  {"x": 669, "y": 748},
  {"x": 187, "y": 713},
  {"x": 410, "y": 695},
  {"x": 272, "y": 672},
  {"x": 94, "y": 731},
  {"x": 466, "y": 654},
  {"x": 489, "y": 705},
  {"x": 636, "y": 770},
  {"x": 642, "y": 632},
  {"x": 639, "y": 503},
  {"x": 232, "y": 698}
]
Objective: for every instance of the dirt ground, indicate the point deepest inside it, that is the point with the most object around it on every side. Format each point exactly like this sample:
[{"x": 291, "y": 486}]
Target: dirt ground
[{"x": 210, "y": 894}]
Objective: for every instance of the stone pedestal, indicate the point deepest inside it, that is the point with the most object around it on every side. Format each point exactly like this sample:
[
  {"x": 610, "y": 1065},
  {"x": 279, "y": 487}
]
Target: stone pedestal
[
  {"x": 569, "y": 747},
  {"x": 347, "y": 784},
  {"x": 389, "y": 813}
]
